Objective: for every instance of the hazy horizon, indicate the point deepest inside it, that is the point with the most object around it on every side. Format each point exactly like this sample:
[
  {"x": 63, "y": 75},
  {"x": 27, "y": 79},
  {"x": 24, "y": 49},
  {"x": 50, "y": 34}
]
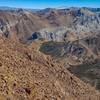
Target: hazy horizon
[{"x": 41, "y": 4}]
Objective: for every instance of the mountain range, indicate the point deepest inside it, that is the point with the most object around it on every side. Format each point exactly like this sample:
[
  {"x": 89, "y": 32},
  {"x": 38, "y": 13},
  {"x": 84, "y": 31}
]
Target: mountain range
[
  {"x": 50, "y": 54},
  {"x": 23, "y": 23}
]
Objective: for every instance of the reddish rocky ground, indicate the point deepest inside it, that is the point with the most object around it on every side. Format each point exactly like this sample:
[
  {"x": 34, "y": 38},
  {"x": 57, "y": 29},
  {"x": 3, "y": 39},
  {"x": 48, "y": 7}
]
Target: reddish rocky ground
[{"x": 27, "y": 74}]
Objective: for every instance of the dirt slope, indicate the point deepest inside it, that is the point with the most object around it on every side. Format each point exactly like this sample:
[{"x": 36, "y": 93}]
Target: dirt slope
[{"x": 26, "y": 74}]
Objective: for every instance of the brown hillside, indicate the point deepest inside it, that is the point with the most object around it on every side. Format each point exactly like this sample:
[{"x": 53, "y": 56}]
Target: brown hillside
[
  {"x": 21, "y": 24},
  {"x": 26, "y": 74}
]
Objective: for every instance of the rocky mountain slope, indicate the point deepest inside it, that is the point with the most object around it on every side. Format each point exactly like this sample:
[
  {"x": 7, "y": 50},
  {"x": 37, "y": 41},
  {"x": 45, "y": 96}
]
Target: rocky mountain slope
[
  {"x": 73, "y": 52},
  {"x": 21, "y": 24},
  {"x": 71, "y": 36},
  {"x": 27, "y": 74}
]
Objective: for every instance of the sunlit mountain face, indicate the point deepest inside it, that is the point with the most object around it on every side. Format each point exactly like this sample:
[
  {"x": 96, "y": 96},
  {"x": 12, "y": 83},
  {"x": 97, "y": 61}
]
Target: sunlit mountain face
[{"x": 49, "y": 50}]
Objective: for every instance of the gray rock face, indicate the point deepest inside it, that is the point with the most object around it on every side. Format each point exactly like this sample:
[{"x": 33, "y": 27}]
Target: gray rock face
[
  {"x": 3, "y": 27},
  {"x": 85, "y": 20}
]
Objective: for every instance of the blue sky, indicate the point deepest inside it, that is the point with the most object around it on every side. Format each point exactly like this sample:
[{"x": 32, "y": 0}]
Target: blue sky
[{"x": 49, "y": 3}]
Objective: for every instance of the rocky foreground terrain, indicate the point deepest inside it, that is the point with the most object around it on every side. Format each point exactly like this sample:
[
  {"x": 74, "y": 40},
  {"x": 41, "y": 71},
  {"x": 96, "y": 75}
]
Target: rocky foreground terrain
[{"x": 27, "y": 74}]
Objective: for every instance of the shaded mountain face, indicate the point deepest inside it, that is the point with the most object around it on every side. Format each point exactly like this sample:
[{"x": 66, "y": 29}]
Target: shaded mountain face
[
  {"x": 73, "y": 52},
  {"x": 19, "y": 24}
]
